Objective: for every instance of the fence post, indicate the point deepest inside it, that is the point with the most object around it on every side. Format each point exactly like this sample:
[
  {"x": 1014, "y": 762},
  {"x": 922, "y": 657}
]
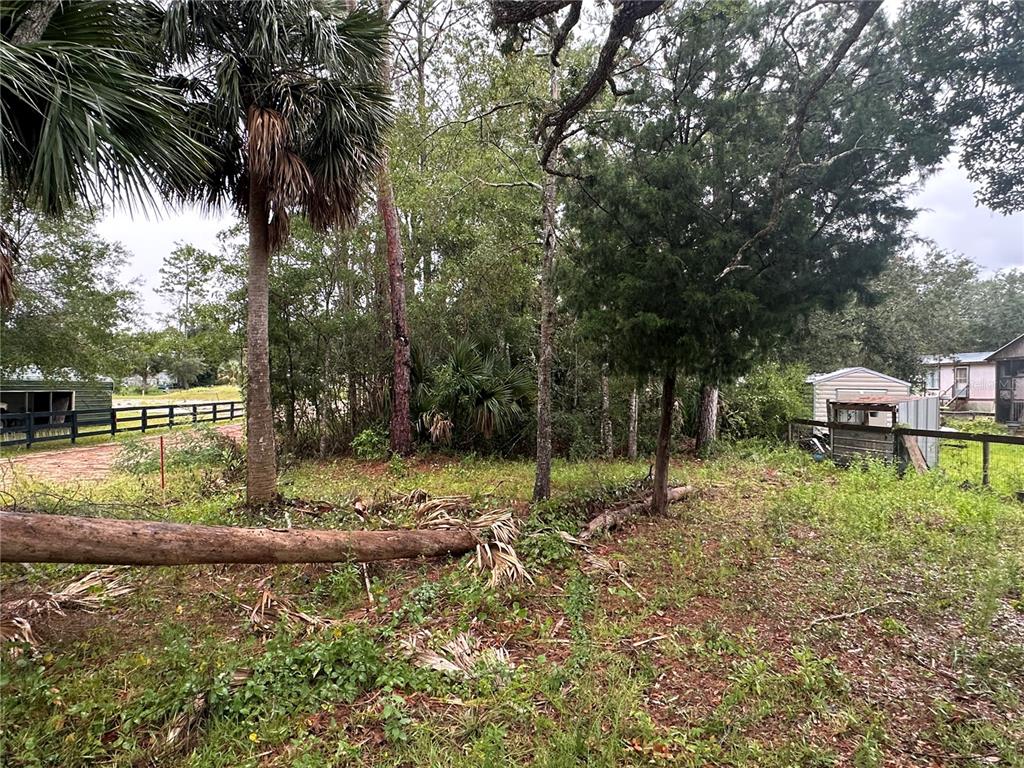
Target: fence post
[
  {"x": 194, "y": 414},
  {"x": 984, "y": 461},
  {"x": 145, "y": 418},
  {"x": 30, "y": 429},
  {"x": 214, "y": 413},
  {"x": 74, "y": 426},
  {"x": 113, "y": 421},
  {"x": 170, "y": 416},
  {"x": 231, "y": 411}
]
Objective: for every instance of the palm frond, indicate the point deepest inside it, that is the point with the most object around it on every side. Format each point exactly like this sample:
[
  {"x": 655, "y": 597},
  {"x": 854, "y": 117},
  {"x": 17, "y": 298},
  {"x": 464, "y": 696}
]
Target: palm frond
[
  {"x": 307, "y": 75},
  {"x": 83, "y": 114}
]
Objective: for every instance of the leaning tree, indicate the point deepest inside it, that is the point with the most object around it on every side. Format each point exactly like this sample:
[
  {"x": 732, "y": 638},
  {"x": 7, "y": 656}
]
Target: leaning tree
[
  {"x": 756, "y": 172},
  {"x": 290, "y": 97}
]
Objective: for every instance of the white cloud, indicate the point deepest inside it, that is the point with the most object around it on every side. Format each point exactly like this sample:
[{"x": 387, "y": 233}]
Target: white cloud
[
  {"x": 150, "y": 238},
  {"x": 950, "y": 217}
]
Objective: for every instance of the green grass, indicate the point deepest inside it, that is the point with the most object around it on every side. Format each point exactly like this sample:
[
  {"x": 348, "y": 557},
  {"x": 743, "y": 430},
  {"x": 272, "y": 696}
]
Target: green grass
[
  {"x": 220, "y": 392},
  {"x": 793, "y": 614},
  {"x": 961, "y": 461}
]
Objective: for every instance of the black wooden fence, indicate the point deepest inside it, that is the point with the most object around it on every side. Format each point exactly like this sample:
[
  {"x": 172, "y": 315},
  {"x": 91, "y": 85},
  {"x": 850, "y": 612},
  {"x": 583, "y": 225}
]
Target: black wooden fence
[{"x": 49, "y": 426}]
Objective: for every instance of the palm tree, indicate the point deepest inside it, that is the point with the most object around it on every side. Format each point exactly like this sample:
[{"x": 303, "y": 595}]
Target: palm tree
[
  {"x": 83, "y": 115},
  {"x": 470, "y": 396},
  {"x": 290, "y": 97}
]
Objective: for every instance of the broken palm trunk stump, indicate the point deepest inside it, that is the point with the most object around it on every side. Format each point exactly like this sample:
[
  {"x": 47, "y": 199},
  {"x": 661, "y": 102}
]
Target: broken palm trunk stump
[
  {"x": 613, "y": 518},
  {"x": 35, "y": 538}
]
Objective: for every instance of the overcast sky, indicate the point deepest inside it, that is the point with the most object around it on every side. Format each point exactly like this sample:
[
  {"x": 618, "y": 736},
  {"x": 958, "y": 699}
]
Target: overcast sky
[{"x": 948, "y": 215}]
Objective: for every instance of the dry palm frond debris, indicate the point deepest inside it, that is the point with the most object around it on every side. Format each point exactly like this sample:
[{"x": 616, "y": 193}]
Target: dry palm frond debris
[
  {"x": 178, "y": 734},
  {"x": 461, "y": 656},
  {"x": 443, "y": 504},
  {"x": 17, "y": 630},
  {"x": 495, "y": 532},
  {"x": 89, "y": 593},
  {"x": 270, "y": 608},
  {"x": 613, "y": 570}
]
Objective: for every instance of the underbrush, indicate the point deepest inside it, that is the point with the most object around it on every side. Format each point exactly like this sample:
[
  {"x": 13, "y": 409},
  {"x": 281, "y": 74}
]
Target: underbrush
[
  {"x": 917, "y": 532},
  {"x": 792, "y": 613}
]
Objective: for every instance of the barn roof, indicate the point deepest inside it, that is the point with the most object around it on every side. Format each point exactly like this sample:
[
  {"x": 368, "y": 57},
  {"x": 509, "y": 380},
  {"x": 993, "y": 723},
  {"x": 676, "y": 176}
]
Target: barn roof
[{"x": 814, "y": 378}]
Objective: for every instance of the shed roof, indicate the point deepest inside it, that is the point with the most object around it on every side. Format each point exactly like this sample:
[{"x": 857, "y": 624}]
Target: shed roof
[
  {"x": 814, "y": 378},
  {"x": 877, "y": 399}
]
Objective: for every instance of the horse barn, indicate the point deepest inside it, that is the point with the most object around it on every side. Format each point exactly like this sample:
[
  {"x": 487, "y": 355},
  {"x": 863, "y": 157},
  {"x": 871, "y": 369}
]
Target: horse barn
[{"x": 28, "y": 391}]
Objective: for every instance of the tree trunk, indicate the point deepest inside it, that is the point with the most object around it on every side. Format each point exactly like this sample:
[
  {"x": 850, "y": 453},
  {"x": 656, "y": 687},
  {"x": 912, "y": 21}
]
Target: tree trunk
[
  {"x": 34, "y": 21},
  {"x": 322, "y": 413},
  {"x": 261, "y": 464},
  {"x": 707, "y": 417},
  {"x": 668, "y": 396},
  {"x": 607, "y": 443},
  {"x": 32, "y": 538},
  {"x": 542, "y": 483},
  {"x": 634, "y": 418},
  {"x": 401, "y": 429},
  {"x": 613, "y": 518}
]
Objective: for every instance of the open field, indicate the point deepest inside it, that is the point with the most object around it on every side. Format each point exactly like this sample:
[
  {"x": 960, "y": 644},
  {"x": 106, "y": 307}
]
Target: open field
[
  {"x": 193, "y": 395},
  {"x": 793, "y": 614}
]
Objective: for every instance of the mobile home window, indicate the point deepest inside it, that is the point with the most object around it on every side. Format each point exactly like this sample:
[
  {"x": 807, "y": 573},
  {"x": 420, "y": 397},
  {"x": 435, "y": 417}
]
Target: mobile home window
[{"x": 931, "y": 378}]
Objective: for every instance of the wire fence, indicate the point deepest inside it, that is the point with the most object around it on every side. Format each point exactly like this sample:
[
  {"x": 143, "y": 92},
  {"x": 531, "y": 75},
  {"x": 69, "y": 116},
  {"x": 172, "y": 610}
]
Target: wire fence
[{"x": 970, "y": 459}]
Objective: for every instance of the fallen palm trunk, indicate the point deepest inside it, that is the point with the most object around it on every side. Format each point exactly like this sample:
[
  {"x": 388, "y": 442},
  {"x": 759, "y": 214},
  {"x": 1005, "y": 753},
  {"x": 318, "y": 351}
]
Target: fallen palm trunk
[
  {"x": 35, "y": 538},
  {"x": 613, "y": 518}
]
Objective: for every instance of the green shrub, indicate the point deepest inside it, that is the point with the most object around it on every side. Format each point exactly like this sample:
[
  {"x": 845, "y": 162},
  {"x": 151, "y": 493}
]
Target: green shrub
[
  {"x": 207, "y": 448},
  {"x": 976, "y": 426},
  {"x": 371, "y": 444},
  {"x": 764, "y": 402},
  {"x": 137, "y": 457}
]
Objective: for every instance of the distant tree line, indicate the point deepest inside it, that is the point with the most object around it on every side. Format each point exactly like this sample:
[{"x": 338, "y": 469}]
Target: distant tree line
[{"x": 501, "y": 231}]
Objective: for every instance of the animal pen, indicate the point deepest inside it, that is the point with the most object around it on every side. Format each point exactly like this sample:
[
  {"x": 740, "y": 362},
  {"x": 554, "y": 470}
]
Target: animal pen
[{"x": 906, "y": 431}]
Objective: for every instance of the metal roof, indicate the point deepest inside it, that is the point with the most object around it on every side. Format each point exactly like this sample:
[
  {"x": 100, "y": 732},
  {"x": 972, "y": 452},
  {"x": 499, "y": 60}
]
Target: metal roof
[
  {"x": 876, "y": 399},
  {"x": 32, "y": 373},
  {"x": 957, "y": 357},
  {"x": 814, "y": 378}
]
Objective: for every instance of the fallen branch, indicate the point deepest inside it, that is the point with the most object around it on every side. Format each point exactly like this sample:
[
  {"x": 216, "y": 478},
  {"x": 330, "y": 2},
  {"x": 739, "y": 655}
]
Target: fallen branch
[
  {"x": 850, "y": 614},
  {"x": 613, "y": 518}
]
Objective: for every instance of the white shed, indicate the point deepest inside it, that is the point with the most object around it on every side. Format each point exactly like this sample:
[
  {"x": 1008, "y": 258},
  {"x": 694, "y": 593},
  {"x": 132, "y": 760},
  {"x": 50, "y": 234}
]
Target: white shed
[{"x": 847, "y": 383}]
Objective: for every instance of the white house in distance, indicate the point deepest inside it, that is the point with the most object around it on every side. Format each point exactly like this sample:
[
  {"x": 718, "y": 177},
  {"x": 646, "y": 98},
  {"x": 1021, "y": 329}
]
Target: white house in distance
[
  {"x": 851, "y": 384},
  {"x": 990, "y": 383}
]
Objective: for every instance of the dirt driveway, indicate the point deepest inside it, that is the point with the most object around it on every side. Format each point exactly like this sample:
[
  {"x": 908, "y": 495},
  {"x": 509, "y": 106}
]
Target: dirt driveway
[{"x": 92, "y": 462}]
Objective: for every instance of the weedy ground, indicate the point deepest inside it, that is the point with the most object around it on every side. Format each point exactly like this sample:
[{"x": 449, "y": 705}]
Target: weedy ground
[{"x": 791, "y": 614}]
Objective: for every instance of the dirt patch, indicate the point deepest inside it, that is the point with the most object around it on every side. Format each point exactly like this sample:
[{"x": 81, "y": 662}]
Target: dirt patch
[{"x": 88, "y": 463}]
